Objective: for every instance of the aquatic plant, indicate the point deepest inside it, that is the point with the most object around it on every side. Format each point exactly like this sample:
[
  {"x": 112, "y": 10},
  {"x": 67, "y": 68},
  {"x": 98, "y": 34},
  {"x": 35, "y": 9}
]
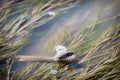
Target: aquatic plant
[{"x": 97, "y": 48}]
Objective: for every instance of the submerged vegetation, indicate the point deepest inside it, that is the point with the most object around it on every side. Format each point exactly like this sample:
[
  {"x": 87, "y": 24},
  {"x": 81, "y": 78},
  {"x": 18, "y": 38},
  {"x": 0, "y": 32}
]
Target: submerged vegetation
[{"x": 97, "y": 47}]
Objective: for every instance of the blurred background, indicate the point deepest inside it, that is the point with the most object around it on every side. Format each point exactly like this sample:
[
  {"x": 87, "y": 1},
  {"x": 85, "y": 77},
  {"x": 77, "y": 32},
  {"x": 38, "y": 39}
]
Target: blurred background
[{"x": 30, "y": 27}]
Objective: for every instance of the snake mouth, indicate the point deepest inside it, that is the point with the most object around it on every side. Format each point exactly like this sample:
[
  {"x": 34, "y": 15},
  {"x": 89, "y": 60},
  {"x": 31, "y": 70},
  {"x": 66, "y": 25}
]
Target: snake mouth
[{"x": 65, "y": 55}]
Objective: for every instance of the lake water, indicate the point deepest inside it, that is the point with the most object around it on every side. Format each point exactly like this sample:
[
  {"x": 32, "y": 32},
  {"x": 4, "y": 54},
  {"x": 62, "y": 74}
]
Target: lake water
[{"x": 74, "y": 19}]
